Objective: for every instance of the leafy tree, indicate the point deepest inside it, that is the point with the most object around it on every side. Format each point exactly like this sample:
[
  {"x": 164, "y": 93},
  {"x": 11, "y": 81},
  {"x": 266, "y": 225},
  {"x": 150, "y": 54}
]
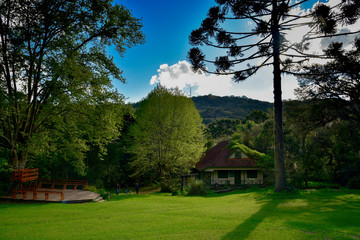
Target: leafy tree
[
  {"x": 115, "y": 166},
  {"x": 272, "y": 19},
  {"x": 247, "y": 132},
  {"x": 257, "y": 116},
  {"x": 52, "y": 56},
  {"x": 320, "y": 146},
  {"x": 167, "y": 136},
  {"x": 333, "y": 152},
  {"x": 338, "y": 81},
  {"x": 256, "y": 136},
  {"x": 301, "y": 130},
  {"x": 222, "y": 128},
  {"x": 264, "y": 140},
  {"x": 78, "y": 140}
]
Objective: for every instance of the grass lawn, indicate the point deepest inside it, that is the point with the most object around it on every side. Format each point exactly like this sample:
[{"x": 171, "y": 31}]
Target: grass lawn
[{"x": 251, "y": 214}]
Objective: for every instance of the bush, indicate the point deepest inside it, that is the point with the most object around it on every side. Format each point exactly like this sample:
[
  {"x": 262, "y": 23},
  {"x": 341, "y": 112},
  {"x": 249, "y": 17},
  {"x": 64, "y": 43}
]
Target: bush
[
  {"x": 100, "y": 191},
  {"x": 196, "y": 188},
  {"x": 92, "y": 188},
  {"x": 170, "y": 185},
  {"x": 165, "y": 187},
  {"x": 354, "y": 182},
  {"x": 296, "y": 181},
  {"x": 103, "y": 193},
  {"x": 177, "y": 193},
  {"x": 291, "y": 188}
]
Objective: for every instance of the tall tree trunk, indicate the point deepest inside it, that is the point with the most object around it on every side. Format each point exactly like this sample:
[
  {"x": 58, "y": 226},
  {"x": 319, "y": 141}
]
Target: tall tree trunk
[
  {"x": 280, "y": 180},
  {"x": 18, "y": 158}
]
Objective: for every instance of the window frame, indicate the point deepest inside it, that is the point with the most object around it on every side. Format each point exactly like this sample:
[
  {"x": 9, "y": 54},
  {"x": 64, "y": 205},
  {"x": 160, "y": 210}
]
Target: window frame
[
  {"x": 238, "y": 155},
  {"x": 222, "y": 176},
  {"x": 255, "y": 172}
]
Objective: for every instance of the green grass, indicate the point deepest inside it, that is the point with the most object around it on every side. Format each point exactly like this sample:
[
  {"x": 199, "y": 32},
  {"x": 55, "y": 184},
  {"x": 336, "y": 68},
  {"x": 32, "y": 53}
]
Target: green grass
[
  {"x": 323, "y": 184},
  {"x": 252, "y": 214}
]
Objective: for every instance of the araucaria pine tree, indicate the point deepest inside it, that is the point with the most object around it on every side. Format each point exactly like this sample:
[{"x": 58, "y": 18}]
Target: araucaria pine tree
[{"x": 245, "y": 52}]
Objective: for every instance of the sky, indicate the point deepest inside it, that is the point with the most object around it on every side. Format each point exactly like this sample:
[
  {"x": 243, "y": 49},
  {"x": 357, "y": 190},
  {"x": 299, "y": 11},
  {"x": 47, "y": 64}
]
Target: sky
[{"x": 162, "y": 58}]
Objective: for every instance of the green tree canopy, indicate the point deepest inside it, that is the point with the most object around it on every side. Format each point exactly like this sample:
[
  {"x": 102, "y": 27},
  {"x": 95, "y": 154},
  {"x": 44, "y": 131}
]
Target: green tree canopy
[
  {"x": 222, "y": 128},
  {"x": 167, "y": 136},
  {"x": 337, "y": 81},
  {"x": 53, "y": 55},
  {"x": 320, "y": 145},
  {"x": 60, "y": 150}
]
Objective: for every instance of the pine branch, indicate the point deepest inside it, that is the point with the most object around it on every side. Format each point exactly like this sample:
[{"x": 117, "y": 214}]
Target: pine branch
[
  {"x": 332, "y": 35},
  {"x": 309, "y": 55},
  {"x": 232, "y": 73},
  {"x": 295, "y": 25},
  {"x": 309, "y": 74},
  {"x": 234, "y": 33},
  {"x": 247, "y": 16}
]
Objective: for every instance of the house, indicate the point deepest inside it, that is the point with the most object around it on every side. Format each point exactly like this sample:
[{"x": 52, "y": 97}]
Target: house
[{"x": 221, "y": 165}]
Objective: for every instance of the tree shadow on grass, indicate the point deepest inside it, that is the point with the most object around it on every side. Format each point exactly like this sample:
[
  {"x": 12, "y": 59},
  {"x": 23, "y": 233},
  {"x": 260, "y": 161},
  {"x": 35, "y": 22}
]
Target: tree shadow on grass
[
  {"x": 249, "y": 225},
  {"x": 271, "y": 201},
  {"x": 334, "y": 215},
  {"x": 262, "y": 191},
  {"x": 323, "y": 210}
]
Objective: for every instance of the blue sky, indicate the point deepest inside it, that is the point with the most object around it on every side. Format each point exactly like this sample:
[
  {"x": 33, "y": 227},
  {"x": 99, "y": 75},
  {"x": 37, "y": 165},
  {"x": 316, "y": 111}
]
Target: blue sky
[{"x": 167, "y": 26}]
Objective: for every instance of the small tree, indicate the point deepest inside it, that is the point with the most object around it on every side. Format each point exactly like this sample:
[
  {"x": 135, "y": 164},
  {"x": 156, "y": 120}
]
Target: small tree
[{"x": 167, "y": 135}]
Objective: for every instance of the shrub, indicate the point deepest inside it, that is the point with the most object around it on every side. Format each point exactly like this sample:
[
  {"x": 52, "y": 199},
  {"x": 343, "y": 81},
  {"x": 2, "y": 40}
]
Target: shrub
[
  {"x": 177, "y": 193},
  {"x": 354, "y": 182},
  {"x": 291, "y": 188},
  {"x": 296, "y": 181},
  {"x": 100, "y": 191},
  {"x": 169, "y": 185},
  {"x": 103, "y": 193},
  {"x": 92, "y": 188},
  {"x": 196, "y": 188}
]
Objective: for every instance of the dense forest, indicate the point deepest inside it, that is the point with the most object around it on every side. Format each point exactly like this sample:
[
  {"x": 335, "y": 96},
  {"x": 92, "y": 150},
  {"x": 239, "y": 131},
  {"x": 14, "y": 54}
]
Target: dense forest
[
  {"x": 214, "y": 107},
  {"x": 321, "y": 143}
]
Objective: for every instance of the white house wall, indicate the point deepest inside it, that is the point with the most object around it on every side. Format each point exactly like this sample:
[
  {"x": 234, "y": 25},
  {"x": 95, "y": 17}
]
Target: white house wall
[{"x": 231, "y": 180}]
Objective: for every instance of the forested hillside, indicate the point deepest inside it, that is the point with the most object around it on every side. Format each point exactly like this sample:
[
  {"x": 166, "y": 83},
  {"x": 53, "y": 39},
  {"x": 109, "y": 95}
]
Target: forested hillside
[{"x": 213, "y": 107}]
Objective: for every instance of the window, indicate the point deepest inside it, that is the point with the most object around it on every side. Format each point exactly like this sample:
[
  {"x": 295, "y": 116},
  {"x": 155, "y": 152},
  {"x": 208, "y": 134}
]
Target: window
[
  {"x": 238, "y": 155},
  {"x": 251, "y": 174},
  {"x": 223, "y": 174},
  {"x": 231, "y": 173}
]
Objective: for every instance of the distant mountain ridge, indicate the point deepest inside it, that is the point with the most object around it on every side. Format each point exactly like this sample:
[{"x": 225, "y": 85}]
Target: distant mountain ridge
[{"x": 213, "y": 107}]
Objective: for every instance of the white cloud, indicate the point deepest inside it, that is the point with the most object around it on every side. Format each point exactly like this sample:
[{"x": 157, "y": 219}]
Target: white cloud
[
  {"x": 259, "y": 86},
  {"x": 317, "y": 45},
  {"x": 181, "y": 76},
  {"x": 346, "y": 40}
]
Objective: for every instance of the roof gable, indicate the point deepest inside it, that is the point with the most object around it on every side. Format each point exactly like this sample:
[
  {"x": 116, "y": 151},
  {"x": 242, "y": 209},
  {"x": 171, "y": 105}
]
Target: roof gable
[{"x": 222, "y": 156}]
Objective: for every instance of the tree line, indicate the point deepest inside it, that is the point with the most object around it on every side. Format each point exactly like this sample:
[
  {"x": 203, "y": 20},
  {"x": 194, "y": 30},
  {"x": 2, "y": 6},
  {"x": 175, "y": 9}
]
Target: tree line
[
  {"x": 318, "y": 147},
  {"x": 213, "y": 107}
]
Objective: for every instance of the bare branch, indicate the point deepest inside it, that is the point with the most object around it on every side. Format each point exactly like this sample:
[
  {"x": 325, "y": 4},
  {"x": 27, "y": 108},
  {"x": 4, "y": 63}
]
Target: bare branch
[{"x": 332, "y": 35}]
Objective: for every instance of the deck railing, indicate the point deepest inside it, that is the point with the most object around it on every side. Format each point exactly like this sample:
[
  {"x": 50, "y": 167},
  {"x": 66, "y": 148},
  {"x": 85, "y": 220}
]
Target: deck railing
[{"x": 243, "y": 182}]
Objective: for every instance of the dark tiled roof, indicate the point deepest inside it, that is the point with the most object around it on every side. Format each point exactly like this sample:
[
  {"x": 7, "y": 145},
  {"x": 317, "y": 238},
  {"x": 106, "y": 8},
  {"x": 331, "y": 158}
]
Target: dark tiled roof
[{"x": 218, "y": 156}]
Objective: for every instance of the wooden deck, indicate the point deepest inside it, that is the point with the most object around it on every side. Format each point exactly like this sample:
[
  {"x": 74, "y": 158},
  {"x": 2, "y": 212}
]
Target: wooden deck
[{"x": 70, "y": 196}]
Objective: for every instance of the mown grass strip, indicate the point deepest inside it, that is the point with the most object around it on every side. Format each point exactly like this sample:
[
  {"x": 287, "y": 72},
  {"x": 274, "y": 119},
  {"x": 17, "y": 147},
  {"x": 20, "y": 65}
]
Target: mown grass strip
[{"x": 253, "y": 214}]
